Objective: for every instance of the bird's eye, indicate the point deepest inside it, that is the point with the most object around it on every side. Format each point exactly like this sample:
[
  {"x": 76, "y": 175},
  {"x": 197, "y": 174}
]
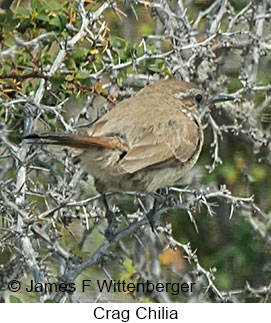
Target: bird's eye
[{"x": 198, "y": 98}]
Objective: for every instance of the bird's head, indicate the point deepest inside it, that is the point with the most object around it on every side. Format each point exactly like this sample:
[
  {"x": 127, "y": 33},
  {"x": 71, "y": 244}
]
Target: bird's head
[{"x": 192, "y": 97}]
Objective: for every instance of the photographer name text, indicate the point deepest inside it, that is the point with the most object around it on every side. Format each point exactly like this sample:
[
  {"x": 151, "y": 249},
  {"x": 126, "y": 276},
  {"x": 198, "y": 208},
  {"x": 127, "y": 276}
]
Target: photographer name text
[{"x": 109, "y": 286}]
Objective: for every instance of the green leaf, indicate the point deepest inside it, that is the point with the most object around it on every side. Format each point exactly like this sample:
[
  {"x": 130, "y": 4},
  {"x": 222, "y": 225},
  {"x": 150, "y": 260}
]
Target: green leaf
[
  {"x": 36, "y": 5},
  {"x": 122, "y": 76},
  {"x": 157, "y": 67},
  {"x": 81, "y": 52},
  {"x": 122, "y": 54},
  {"x": 129, "y": 269},
  {"x": 154, "y": 68},
  {"x": 82, "y": 75},
  {"x": 55, "y": 22},
  {"x": 57, "y": 82},
  {"x": 8, "y": 21},
  {"x": 70, "y": 63},
  {"x": 86, "y": 82},
  {"x": 129, "y": 48},
  {"x": 258, "y": 174},
  {"x": 54, "y": 5},
  {"x": 139, "y": 51},
  {"x": 4, "y": 17},
  {"x": 42, "y": 16},
  {"x": 10, "y": 41},
  {"x": 14, "y": 299},
  {"x": 22, "y": 11},
  {"x": 121, "y": 41},
  {"x": 145, "y": 29},
  {"x": 63, "y": 21},
  {"x": 58, "y": 21},
  {"x": 69, "y": 77},
  {"x": 128, "y": 265}
]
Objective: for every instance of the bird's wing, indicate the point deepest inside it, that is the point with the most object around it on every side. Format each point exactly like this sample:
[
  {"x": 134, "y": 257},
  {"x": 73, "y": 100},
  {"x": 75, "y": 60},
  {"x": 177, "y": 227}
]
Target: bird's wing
[
  {"x": 171, "y": 140},
  {"x": 153, "y": 132}
]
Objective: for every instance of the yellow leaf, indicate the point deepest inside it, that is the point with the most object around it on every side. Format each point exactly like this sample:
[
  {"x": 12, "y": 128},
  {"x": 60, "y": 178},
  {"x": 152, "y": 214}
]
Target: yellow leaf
[{"x": 94, "y": 51}]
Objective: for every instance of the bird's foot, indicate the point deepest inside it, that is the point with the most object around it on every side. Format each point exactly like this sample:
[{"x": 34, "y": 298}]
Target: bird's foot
[
  {"x": 111, "y": 219},
  {"x": 112, "y": 224},
  {"x": 161, "y": 200},
  {"x": 165, "y": 198},
  {"x": 151, "y": 216}
]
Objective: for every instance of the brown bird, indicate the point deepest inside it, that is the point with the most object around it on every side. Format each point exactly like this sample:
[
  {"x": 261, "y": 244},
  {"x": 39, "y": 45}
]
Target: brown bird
[{"x": 145, "y": 142}]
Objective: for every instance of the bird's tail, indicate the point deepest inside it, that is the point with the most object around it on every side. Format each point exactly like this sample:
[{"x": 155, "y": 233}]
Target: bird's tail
[{"x": 75, "y": 141}]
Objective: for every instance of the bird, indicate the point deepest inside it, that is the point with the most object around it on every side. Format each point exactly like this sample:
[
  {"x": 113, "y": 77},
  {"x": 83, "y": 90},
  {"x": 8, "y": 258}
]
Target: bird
[{"x": 145, "y": 142}]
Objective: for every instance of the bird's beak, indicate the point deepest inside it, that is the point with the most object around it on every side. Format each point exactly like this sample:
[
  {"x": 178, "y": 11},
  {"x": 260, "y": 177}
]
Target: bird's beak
[{"x": 221, "y": 97}]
